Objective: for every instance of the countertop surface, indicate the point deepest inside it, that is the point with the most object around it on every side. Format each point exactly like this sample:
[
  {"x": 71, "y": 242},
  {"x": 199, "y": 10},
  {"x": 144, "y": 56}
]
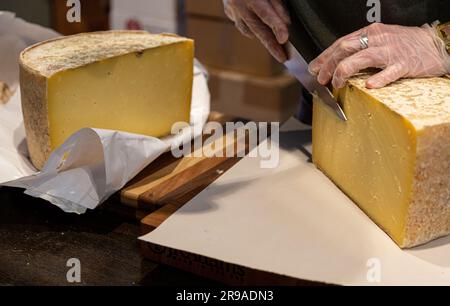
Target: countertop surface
[{"x": 37, "y": 240}]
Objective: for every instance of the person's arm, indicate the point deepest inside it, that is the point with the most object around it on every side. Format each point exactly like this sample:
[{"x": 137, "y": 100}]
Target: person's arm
[
  {"x": 400, "y": 51},
  {"x": 267, "y": 20}
]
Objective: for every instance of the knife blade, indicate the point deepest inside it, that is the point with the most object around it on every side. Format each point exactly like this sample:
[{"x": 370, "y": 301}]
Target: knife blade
[{"x": 298, "y": 67}]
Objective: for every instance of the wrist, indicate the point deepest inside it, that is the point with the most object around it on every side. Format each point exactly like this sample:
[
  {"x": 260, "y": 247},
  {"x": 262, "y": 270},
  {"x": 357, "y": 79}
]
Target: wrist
[{"x": 443, "y": 32}]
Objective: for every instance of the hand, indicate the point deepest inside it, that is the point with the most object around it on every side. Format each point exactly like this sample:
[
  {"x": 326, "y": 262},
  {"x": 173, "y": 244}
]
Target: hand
[
  {"x": 268, "y": 20},
  {"x": 400, "y": 51}
]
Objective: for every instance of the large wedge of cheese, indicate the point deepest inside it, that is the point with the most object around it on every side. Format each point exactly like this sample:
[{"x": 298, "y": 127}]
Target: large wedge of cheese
[
  {"x": 392, "y": 156},
  {"x": 129, "y": 81}
]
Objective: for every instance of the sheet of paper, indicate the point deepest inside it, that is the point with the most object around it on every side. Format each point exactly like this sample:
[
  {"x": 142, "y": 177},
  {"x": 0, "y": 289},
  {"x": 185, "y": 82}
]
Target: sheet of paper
[
  {"x": 92, "y": 164},
  {"x": 292, "y": 220}
]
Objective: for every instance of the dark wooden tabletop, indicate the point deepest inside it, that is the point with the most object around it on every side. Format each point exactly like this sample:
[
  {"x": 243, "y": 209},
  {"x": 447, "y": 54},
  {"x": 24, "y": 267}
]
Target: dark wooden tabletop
[{"x": 37, "y": 239}]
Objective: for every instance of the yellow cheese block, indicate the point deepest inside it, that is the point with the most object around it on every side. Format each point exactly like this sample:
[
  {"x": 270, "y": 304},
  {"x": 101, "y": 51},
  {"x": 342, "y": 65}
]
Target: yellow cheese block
[
  {"x": 392, "y": 156},
  {"x": 129, "y": 81}
]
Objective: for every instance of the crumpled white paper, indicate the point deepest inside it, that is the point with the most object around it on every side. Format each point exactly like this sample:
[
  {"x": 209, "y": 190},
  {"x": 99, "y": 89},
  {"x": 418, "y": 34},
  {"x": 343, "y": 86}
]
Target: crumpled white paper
[{"x": 92, "y": 164}]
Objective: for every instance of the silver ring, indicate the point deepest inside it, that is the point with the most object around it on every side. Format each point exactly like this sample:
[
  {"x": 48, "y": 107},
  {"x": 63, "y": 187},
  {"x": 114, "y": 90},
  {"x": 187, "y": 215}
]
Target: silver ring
[{"x": 364, "y": 41}]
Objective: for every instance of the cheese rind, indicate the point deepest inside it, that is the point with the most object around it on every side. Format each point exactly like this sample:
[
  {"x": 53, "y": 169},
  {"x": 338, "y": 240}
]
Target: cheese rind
[
  {"x": 129, "y": 81},
  {"x": 70, "y": 52},
  {"x": 392, "y": 157}
]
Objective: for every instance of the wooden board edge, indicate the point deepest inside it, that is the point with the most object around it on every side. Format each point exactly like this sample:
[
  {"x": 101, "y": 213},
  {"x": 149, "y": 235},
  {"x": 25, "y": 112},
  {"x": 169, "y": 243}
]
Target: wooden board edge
[{"x": 216, "y": 270}]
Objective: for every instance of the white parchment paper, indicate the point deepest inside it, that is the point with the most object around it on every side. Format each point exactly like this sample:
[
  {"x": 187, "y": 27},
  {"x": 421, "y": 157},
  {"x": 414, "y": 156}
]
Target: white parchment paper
[
  {"x": 93, "y": 163},
  {"x": 292, "y": 220}
]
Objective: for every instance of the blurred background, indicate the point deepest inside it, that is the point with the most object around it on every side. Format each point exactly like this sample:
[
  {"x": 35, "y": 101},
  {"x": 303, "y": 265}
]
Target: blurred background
[{"x": 245, "y": 81}]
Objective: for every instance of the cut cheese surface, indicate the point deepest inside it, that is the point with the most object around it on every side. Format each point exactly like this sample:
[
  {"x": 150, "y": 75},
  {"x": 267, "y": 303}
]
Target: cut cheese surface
[
  {"x": 120, "y": 80},
  {"x": 138, "y": 93},
  {"x": 392, "y": 157}
]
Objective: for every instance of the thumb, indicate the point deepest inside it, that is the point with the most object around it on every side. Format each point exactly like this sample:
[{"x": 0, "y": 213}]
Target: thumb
[{"x": 387, "y": 76}]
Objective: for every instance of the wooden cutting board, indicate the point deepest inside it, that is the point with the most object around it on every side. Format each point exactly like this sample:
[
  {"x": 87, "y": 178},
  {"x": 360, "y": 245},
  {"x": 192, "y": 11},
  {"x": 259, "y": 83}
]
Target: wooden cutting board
[
  {"x": 170, "y": 180},
  {"x": 169, "y": 183},
  {"x": 164, "y": 188}
]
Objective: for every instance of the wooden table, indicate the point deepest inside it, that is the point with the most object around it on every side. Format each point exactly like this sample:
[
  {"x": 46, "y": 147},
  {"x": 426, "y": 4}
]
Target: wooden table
[{"x": 37, "y": 239}]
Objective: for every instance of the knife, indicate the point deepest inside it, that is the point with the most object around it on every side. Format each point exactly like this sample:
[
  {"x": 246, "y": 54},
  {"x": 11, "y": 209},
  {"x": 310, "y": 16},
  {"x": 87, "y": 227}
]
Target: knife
[{"x": 298, "y": 67}]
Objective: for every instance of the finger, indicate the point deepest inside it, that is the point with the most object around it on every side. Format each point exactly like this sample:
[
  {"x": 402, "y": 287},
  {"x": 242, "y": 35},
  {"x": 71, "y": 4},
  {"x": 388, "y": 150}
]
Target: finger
[
  {"x": 345, "y": 49},
  {"x": 375, "y": 33},
  {"x": 265, "y": 35},
  {"x": 243, "y": 28},
  {"x": 372, "y": 57},
  {"x": 230, "y": 12},
  {"x": 387, "y": 76},
  {"x": 265, "y": 11},
  {"x": 316, "y": 64},
  {"x": 281, "y": 11}
]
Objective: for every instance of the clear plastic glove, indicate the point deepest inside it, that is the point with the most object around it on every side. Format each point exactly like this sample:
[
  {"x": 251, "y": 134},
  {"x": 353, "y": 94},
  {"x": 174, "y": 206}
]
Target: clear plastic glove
[
  {"x": 400, "y": 51},
  {"x": 268, "y": 20}
]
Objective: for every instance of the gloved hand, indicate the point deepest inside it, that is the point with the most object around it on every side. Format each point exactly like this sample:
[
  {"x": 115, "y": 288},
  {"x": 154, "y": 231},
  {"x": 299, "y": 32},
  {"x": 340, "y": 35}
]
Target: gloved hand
[
  {"x": 268, "y": 20},
  {"x": 400, "y": 51}
]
